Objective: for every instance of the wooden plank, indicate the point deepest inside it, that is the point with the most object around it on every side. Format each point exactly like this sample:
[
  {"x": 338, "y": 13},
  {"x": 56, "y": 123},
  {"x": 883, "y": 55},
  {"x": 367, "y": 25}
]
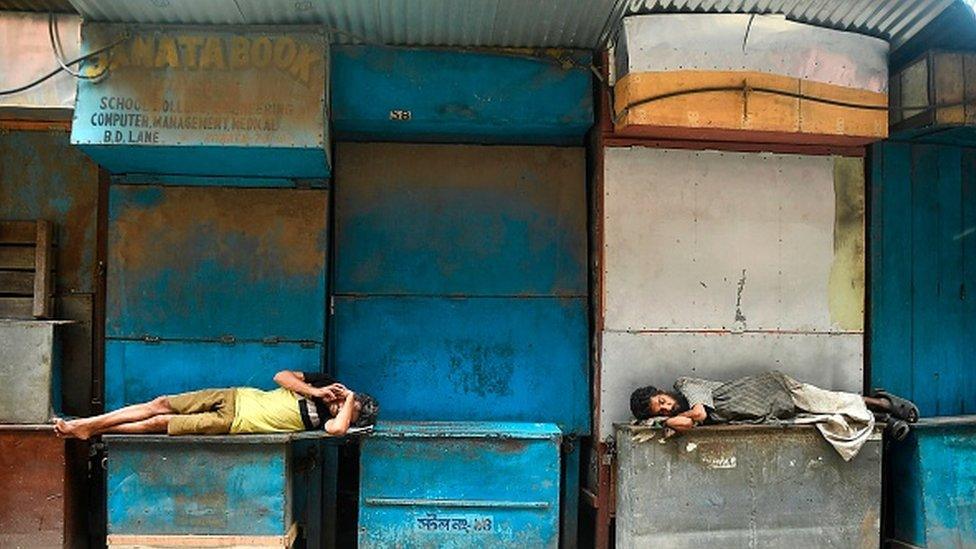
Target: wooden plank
[
  {"x": 891, "y": 272},
  {"x": 17, "y": 232},
  {"x": 43, "y": 277},
  {"x": 928, "y": 356},
  {"x": 17, "y": 257},
  {"x": 967, "y": 237},
  {"x": 948, "y": 189},
  {"x": 949, "y": 88},
  {"x": 120, "y": 541},
  {"x": 16, "y": 307},
  {"x": 17, "y": 282}
]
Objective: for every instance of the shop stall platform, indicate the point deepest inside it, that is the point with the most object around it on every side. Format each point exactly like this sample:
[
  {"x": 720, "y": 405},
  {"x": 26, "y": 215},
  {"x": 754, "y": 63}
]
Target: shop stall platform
[
  {"x": 932, "y": 499},
  {"x": 745, "y": 486},
  {"x": 273, "y": 490},
  {"x": 460, "y": 484}
]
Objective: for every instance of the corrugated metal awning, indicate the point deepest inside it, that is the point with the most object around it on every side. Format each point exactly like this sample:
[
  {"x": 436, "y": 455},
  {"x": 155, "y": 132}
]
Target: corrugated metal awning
[
  {"x": 501, "y": 23},
  {"x": 467, "y": 23},
  {"x": 894, "y": 20}
]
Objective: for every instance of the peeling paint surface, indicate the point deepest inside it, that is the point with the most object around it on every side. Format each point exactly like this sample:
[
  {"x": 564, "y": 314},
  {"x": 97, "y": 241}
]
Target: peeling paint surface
[
  {"x": 744, "y": 486},
  {"x": 490, "y": 485},
  {"x": 202, "y": 262},
  {"x": 934, "y": 478},
  {"x": 197, "y": 488},
  {"x": 381, "y": 93},
  {"x": 461, "y": 275}
]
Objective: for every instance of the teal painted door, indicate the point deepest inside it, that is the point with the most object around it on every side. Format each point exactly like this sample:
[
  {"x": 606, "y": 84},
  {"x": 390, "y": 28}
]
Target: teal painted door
[{"x": 923, "y": 275}]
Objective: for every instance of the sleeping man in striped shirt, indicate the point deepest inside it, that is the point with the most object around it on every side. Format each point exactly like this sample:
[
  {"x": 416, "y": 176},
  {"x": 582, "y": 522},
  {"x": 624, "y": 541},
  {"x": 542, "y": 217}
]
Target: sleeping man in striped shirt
[{"x": 845, "y": 419}]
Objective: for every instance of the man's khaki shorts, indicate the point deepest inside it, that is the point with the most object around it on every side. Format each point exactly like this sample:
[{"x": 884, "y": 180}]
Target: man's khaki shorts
[{"x": 206, "y": 412}]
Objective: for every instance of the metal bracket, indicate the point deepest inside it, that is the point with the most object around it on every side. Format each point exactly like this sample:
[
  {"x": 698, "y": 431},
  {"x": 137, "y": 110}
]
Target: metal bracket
[
  {"x": 151, "y": 339},
  {"x": 228, "y": 339},
  {"x": 271, "y": 340}
]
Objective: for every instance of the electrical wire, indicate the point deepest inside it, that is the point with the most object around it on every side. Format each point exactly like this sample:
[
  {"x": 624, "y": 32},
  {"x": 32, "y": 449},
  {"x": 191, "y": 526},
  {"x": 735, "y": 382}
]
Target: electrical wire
[
  {"x": 54, "y": 72},
  {"x": 795, "y": 95}
]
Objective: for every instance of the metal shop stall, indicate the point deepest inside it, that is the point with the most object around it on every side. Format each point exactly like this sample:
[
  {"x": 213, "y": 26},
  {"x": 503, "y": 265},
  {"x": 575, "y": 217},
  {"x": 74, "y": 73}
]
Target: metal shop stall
[
  {"x": 923, "y": 270},
  {"x": 50, "y": 295},
  {"x": 217, "y": 246},
  {"x": 729, "y": 240},
  {"x": 460, "y": 289}
]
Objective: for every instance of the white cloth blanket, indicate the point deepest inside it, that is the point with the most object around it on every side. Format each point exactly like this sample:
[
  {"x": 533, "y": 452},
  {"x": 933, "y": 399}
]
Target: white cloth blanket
[{"x": 842, "y": 418}]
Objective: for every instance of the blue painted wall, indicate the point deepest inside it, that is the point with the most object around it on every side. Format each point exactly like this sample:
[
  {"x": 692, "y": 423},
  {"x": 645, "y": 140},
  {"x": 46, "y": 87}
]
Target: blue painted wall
[
  {"x": 923, "y": 275},
  {"x": 212, "y": 287},
  {"x": 460, "y": 96},
  {"x": 461, "y": 281},
  {"x": 496, "y": 485}
]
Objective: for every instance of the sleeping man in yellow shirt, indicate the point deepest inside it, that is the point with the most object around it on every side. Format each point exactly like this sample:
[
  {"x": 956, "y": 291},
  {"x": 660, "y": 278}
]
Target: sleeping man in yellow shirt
[{"x": 303, "y": 401}]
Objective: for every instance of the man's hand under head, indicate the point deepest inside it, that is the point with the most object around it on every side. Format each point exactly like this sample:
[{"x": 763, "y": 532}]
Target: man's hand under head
[{"x": 331, "y": 393}]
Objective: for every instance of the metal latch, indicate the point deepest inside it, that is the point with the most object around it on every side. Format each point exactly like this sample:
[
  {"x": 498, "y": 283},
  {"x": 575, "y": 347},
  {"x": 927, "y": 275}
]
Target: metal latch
[
  {"x": 228, "y": 339},
  {"x": 150, "y": 339},
  {"x": 271, "y": 340}
]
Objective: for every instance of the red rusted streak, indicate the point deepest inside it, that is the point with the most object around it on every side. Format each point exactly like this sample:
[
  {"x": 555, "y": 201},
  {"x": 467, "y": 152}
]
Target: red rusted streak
[{"x": 35, "y": 125}]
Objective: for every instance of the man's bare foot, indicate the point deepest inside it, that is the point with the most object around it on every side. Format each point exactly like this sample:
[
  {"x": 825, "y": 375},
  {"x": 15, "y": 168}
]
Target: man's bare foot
[{"x": 71, "y": 429}]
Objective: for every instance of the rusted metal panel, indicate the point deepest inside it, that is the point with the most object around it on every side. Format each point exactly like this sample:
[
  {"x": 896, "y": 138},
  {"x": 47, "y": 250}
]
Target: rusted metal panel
[
  {"x": 202, "y": 263},
  {"x": 460, "y": 485},
  {"x": 210, "y": 102},
  {"x": 471, "y": 261},
  {"x": 30, "y": 370},
  {"x": 527, "y": 97},
  {"x": 632, "y": 360},
  {"x": 25, "y": 39},
  {"x": 42, "y": 177},
  {"x": 745, "y": 486},
  {"x": 242, "y": 485},
  {"x": 44, "y": 483},
  {"x": 211, "y": 287},
  {"x": 460, "y": 220},
  {"x": 704, "y": 240}
]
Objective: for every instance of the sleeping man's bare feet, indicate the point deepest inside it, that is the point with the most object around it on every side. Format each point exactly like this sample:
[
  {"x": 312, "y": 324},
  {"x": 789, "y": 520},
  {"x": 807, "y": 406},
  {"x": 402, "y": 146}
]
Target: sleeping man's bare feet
[{"x": 72, "y": 429}]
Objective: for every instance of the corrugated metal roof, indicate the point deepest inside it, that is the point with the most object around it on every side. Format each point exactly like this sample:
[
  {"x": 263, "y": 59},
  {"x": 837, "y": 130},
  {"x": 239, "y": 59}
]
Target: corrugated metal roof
[
  {"x": 506, "y": 23},
  {"x": 57, "y": 6},
  {"x": 894, "y": 20},
  {"x": 503, "y": 23}
]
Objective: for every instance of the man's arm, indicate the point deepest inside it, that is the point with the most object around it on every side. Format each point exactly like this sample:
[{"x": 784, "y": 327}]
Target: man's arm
[
  {"x": 697, "y": 413},
  {"x": 338, "y": 425},
  {"x": 295, "y": 381}
]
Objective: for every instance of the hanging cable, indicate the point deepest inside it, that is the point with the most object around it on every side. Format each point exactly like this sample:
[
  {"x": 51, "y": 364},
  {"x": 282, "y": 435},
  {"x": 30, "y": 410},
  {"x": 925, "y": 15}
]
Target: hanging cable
[
  {"x": 54, "y": 35},
  {"x": 54, "y": 72}
]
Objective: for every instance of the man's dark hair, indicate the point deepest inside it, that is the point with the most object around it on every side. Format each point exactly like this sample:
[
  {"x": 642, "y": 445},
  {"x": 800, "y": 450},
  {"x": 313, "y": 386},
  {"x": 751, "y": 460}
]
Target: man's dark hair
[
  {"x": 640, "y": 401},
  {"x": 368, "y": 410}
]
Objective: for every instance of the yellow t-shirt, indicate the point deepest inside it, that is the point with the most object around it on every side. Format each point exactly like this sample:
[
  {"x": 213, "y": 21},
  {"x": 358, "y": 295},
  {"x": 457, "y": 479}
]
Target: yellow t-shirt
[{"x": 257, "y": 411}]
